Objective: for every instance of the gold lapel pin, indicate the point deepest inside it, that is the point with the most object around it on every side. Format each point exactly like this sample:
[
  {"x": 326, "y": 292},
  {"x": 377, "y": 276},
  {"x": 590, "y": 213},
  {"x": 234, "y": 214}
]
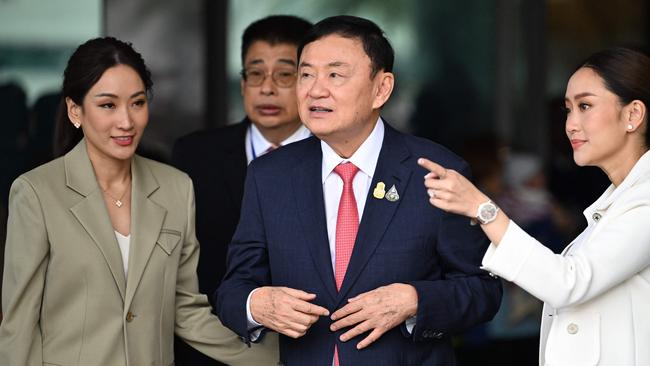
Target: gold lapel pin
[
  {"x": 392, "y": 194},
  {"x": 380, "y": 191}
]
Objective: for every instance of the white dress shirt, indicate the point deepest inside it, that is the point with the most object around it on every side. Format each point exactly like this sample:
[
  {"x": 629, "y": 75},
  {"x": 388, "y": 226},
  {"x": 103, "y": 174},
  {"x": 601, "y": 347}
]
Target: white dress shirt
[
  {"x": 257, "y": 145},
  {"x": 124, "y": 242}
]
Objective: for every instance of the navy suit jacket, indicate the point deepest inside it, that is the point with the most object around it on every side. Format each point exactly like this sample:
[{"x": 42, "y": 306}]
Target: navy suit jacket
[
  {"x": 215, "y": 159},
  {"x": 281, "y": 240}
]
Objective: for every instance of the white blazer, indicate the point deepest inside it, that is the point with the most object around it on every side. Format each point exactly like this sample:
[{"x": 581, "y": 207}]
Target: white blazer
[{"x": 596, "y": 297}]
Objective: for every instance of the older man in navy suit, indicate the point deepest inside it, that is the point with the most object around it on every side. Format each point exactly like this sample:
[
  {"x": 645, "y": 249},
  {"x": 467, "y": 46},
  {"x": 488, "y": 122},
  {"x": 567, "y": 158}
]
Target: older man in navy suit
[{"x": 337, "y": 248}]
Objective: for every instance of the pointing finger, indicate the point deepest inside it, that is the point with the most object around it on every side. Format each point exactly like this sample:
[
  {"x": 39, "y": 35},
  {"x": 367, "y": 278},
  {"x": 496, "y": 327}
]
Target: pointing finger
[{"x": 437, "y": 170}]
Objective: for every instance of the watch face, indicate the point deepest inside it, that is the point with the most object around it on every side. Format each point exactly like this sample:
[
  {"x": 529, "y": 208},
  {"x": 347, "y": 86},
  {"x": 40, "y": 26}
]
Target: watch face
[{"x": 487, "y": 212}]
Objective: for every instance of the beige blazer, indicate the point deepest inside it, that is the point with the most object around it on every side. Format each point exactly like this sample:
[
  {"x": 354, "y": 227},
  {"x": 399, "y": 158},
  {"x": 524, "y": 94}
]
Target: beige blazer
[
  {"x": 65, "y": 297},
  {"x": 597, "y": 294}
]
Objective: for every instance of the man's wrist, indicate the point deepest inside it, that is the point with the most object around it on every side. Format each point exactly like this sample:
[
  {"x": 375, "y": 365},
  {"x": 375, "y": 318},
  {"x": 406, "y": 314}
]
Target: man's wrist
[
  {"x": 412, "y": 304},
  {"x": 252, "y": 323}
]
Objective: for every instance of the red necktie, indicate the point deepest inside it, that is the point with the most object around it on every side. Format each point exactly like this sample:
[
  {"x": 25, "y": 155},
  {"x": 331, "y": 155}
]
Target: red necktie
[{"x": 347, "y": 225}]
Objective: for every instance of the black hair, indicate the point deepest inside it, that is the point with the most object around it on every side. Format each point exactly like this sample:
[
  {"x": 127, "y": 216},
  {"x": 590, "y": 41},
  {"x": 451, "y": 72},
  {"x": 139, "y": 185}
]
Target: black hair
[
  {"x": 85, "y": 67},
  {"x": 274, "y": 29},
  {"x": 375, "y": 43},
  {"x": 626, "y": 73}
]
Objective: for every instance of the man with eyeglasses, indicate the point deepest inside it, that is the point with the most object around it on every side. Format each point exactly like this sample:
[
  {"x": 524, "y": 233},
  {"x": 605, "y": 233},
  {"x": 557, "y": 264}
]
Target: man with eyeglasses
[{"x": 216, "y": 159}]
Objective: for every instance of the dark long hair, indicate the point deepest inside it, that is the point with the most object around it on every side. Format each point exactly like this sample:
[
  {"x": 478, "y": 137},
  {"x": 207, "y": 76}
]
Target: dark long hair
[
  {"x": 85, "y": 67},
  {"x": 626, "y": 73}
]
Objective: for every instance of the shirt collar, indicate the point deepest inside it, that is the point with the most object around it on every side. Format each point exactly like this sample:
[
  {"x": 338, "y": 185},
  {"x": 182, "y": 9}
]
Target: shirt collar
[
  {"x": 301, "y": 133},
  {"x": 365, "y": 158},
  {"x": 261, "y": 144}
]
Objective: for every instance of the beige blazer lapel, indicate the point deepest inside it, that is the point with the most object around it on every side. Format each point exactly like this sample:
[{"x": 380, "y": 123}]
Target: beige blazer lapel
[
  {"x": 146, "y": 221},
  {"x": 91, "y": 211}
]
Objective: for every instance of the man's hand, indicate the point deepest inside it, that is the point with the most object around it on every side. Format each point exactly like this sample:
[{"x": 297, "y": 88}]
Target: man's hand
[
  {"x": 285, "y": 310},
  {"x": 379, "y": 310}
]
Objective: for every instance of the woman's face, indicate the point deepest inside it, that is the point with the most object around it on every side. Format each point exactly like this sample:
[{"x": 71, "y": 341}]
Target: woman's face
[
  {"x": 114, "y": 114},
  {"x": 595, "y": 122}
]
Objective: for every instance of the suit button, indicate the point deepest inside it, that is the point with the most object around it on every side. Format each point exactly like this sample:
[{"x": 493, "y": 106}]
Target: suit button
[
  {"x": 572, "y": 328},
  {"x": 129, "y": 317}
]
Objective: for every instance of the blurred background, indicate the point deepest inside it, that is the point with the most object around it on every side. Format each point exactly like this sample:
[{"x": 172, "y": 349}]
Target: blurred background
[{"x": 484, "y": 77}]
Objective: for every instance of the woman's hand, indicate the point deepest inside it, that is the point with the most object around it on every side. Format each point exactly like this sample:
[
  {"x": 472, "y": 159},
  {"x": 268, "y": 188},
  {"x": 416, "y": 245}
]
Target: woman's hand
[{"x": 450, "y": 190}]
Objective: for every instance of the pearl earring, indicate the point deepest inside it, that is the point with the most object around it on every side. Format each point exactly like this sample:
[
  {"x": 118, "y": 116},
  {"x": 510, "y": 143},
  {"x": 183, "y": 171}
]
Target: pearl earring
[
  {"x": 629, "y": 126},
  {"x": 77, "y": 124}
]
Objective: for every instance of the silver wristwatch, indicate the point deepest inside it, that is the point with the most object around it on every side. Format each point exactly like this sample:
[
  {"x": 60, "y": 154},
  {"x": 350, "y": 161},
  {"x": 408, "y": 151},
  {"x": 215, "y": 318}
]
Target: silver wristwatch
[{"x": 487, "y": 212}]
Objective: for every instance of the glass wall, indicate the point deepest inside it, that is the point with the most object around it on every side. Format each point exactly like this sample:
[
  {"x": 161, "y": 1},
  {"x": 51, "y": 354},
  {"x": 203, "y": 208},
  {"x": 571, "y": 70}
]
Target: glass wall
[{"x": 36, "y": 39}]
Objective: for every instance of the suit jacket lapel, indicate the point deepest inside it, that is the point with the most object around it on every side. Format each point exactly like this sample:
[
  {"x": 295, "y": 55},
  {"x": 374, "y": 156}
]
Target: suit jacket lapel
[
  {"x": 91, "y": 211},
  {"x": 146, "y": 221},
  {"x": 308, "y": 190},
  {"x": 378, "y": 213}
]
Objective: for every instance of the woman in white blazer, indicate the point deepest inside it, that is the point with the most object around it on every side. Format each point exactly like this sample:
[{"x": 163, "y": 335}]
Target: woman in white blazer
[
  {"x": 101, "y": 251},
  {"x": 597, "y": 292}
]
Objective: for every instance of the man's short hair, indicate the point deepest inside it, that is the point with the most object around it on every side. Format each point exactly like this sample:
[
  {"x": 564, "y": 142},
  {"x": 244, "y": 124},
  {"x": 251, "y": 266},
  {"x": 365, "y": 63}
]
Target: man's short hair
[
  {"x": 274, "y": 29},
  {"x": 375, "y": 43}
]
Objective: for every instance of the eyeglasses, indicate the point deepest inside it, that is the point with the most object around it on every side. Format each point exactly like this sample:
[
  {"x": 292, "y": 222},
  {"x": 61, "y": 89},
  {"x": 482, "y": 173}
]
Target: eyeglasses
[{"x": 284, "y": 78}]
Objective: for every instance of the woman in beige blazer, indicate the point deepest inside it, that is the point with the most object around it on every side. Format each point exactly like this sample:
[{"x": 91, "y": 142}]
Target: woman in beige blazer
[
  {"x": 101, "y": 252},
  {"x": 596, "y": 293}
]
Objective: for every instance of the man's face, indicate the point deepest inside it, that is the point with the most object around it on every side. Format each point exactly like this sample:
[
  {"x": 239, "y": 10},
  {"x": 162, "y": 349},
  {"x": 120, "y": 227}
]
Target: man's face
[
  {"x": 337, "y": 98},
  {"x": 268, "y": 104}
]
